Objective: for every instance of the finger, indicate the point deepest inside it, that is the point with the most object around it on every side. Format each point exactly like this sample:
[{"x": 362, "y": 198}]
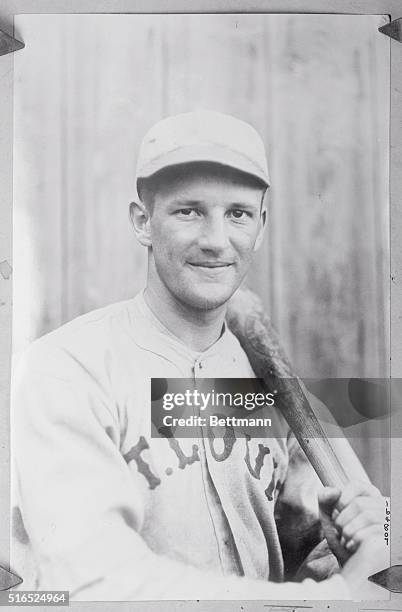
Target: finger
[
  {"x": 359, "y": 505},
  {"x": 356, "y": 488},
  {"x": 343, "y": 541},
  {"x": 347, "y": 514},
  {"x": 351, "y": 545},
  {"x": 356, "y": 524},
  {"x": 370, "y": 538}
]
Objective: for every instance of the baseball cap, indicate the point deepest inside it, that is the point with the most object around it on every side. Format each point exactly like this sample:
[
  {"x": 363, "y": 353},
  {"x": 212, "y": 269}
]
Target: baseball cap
[{"x": 202, "y": 136}]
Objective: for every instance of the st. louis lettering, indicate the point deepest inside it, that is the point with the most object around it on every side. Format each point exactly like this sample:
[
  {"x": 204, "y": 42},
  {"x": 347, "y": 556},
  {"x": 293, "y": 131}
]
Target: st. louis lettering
[
  {"x": 229, "y": 440},
  {"x": 134, "y": 454},
  {"x": 175, "y": 446},
  {"x": 259, "y": 461}
]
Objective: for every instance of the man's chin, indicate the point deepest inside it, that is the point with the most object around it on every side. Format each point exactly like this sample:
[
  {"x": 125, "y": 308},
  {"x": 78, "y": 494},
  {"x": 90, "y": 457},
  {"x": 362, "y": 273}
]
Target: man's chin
[{"x": 207, "y": 300}]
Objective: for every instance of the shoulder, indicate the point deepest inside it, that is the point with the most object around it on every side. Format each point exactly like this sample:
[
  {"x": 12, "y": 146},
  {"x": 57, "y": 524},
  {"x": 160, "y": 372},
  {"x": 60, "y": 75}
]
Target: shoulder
[{"x": 88, "y": 340}]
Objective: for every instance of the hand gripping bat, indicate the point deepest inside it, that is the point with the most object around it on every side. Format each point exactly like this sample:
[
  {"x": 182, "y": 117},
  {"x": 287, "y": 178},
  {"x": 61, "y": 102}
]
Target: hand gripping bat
[{"x": 253, "y": 328}]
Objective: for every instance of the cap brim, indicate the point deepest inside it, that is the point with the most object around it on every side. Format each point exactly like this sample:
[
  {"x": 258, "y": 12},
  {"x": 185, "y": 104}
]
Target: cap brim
[{"x": 212, "y": 154}]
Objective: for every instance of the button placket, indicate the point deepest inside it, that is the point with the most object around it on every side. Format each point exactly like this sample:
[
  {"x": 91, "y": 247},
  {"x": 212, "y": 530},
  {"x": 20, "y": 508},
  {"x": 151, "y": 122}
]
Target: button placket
[{"x": 198, "y": 367}]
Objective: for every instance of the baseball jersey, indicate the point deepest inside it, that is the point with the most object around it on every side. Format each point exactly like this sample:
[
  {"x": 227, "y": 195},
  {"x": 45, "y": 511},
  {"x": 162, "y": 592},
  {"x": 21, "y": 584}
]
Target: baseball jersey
[{"x": 106, "y": 511}]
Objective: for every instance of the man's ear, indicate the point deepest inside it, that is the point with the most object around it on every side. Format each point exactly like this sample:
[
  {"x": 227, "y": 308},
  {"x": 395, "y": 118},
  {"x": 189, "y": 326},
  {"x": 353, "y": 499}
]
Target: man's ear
[
  {"x": 140, "y": 219},
  {"x": 263, "y": 225}
]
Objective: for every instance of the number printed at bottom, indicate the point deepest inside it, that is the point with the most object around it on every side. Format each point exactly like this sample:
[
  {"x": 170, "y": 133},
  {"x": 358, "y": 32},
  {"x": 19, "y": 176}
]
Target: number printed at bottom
[{"x": 34, "y": 598}]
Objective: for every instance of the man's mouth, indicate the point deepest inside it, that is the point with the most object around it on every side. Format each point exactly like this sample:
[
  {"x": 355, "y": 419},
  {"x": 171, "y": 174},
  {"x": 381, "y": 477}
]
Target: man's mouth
[{"x": 210, "y": 264}]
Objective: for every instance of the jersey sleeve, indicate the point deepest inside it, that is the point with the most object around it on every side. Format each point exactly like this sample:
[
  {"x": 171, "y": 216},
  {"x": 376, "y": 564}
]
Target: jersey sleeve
[{"x": 81, "y": 511}]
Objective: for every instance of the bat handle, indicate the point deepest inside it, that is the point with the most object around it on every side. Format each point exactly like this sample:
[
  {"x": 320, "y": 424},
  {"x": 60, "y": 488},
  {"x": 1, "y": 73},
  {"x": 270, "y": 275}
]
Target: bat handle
[
  {"x": 324, "y": 461},
  {"x": 295, "y": 407}
]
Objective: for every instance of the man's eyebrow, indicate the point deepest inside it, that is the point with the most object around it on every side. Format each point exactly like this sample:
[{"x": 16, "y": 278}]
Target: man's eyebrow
[
  {"x": 243, "y": 205},
  {"x": 189, "y": 203},
  {"x": 180, "y": 202}
]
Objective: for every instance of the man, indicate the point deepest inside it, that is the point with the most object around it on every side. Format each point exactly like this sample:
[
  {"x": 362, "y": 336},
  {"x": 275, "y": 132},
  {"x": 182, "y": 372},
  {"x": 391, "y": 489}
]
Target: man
[{"x": 111, "y": 513}]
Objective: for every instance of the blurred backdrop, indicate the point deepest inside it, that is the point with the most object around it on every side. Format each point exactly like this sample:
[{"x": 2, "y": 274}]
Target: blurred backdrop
[{"x": 87, "y": 87}]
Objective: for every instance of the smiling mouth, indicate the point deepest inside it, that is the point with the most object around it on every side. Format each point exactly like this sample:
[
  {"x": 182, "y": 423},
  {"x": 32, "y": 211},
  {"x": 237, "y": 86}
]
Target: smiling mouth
[{"x": 211, "y": 264}]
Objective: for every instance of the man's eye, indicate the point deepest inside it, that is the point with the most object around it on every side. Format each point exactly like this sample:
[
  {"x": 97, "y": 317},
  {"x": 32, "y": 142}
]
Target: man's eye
[
  {"x": 238, "y": 213},
  {"x": 187, "y": 212}
]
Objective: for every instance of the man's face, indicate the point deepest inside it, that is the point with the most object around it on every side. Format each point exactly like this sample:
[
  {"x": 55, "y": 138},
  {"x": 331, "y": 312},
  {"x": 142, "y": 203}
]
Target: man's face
[{"x": 204, "y": 228}]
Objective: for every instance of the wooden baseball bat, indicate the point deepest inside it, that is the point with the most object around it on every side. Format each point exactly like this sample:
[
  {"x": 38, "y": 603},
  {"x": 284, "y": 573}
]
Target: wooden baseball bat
[{"x": 247, "y": 320}]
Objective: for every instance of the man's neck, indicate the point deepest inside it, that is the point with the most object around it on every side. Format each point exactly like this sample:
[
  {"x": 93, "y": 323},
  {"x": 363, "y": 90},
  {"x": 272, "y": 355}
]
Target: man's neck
[{"x": 196, "y": 329}]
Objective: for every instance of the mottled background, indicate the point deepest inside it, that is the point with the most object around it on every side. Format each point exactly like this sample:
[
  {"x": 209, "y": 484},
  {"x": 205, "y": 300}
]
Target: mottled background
[{"x": 316, "y": 87}]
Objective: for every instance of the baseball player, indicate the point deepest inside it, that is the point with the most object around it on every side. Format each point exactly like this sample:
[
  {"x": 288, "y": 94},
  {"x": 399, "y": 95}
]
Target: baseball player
[{"x": 106, "y": 511}]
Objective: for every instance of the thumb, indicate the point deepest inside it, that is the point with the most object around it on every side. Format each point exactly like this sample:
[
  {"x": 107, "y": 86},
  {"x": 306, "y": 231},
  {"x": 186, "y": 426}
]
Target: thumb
[{"x": 327, "y": 498}]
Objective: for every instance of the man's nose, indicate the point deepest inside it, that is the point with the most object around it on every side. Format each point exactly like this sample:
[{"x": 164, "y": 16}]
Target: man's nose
[{"x": 214, "y": 234}]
